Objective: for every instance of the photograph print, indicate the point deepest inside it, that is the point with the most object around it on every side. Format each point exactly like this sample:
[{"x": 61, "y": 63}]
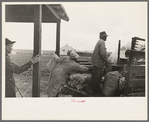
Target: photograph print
[{"x": 87, "y": 58}]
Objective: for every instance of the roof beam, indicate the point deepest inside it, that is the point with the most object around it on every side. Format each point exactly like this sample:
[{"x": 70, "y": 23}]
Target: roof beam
[
  {"x": 65, "y": 13},
  {"x": 53, "y": 12},
  {"x": 60, "y": 12},
  {"x": 55, "y": 6}
]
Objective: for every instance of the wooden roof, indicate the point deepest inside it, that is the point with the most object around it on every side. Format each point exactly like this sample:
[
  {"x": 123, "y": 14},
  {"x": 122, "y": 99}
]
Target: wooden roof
[{"x": 51, "y": 13}]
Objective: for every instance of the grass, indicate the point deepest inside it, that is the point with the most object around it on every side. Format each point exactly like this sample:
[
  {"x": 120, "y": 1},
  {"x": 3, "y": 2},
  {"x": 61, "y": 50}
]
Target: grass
[{"x": 24, "y": 80}]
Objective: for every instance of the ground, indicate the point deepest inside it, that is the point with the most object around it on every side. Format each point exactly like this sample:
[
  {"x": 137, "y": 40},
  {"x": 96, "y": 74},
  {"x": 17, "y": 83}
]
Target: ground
[{"x": 24, "y": 80}]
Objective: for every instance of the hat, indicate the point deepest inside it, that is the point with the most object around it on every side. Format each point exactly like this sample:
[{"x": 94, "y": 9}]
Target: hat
[
  {"x": 73, "y": 55},
  {"x": 7, "y": 41},
  {"x": 102, "y": 34}
]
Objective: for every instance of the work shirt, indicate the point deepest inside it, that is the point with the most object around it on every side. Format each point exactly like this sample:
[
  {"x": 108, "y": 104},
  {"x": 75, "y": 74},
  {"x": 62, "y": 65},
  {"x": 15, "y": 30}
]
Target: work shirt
[
  {"x": 99, "y": 56},
  {"x": 10, "y": 82}
]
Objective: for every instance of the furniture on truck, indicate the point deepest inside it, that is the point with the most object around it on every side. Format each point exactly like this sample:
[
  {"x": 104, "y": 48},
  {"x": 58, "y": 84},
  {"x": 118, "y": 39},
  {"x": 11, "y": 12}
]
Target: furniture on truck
[{"x": 135, "y": 77}]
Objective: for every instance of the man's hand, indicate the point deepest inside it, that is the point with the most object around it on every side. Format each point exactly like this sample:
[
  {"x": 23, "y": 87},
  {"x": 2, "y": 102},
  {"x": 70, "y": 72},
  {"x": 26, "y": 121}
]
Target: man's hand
[{"x": 35, "y": 59}]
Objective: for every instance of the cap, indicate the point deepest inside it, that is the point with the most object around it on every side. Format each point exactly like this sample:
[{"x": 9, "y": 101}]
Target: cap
[{"x": 7, "y": 41}]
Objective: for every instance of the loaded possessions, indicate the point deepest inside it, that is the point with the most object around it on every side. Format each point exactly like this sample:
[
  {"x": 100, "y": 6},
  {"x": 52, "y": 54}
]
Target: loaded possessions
[
  {"x": 76, "y": 84},
  {"x": 110, "y": 83},
  {"x": 78, "y": 81}
]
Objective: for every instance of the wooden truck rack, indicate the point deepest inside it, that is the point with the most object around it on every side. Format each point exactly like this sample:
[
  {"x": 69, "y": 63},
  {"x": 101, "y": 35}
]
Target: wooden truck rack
[{"x": 135, "y": 77}]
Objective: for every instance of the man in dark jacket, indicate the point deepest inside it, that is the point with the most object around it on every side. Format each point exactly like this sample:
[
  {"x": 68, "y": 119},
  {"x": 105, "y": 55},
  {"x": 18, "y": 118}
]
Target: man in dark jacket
[
  {"x": 99, "y": 61},
  {"x": 13, "y": 68}
]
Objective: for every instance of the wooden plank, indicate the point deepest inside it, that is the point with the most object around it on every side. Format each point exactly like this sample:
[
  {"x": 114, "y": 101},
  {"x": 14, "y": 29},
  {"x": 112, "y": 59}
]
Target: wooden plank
[
  {"x": 137, "y": 38},
  {"x": 133, "y": 43},
  {"x": 53, "y": 11},
  {"x": 12, "y": 18},
  {"x": 37, "y": 49},
  {"x": 139, "y": 94},
  {"x": 89, "y": 66},
  {"x": 137, "y": 83},
  {"x": 139, "y": 90},
  {"x": 29, "y": 19},
  {"x": 19, "y": 10},
  {"x": 82, "y": 58},
  {"x": 85, "y": 54},
  {"x": 25, "y": 13},
  {"x": 135, "y": 54},
  {"x": 138, "y": 54},
  {"x": 128, "y": 73},
  {"x": 85, "y": 63},
  {"x": 58, "y": 38},
  {"x": 137, "y": 70},
  {"x": 56, "y": 6},
  {"x": 59, "y": 12}
]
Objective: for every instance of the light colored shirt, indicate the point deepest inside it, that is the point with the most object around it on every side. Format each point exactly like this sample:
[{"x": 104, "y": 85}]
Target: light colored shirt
[{"x": 99, "y": 56}]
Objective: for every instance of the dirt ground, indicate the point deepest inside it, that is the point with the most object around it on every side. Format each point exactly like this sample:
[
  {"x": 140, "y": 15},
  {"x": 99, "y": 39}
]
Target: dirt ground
[{"x": 24, "y": 80}]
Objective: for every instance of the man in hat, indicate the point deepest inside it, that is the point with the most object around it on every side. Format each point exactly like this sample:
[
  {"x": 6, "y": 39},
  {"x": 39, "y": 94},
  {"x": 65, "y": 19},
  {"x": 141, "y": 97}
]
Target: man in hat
[
  {"x": 13, "y": 68},
  {"x": 99, "y": 61}
]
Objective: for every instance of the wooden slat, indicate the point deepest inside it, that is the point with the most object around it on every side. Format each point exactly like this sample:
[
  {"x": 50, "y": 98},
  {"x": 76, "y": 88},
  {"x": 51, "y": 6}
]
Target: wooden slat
[
  {"x": 136, "y": 91},
  {"x": 136, "y": 69},
  {"x": 84, "y": 59},
  {"x": 37, "y": 50},
  {"x": 85, "y": 63},
  {"x": 85, "y": 54},
  {"x": 19, "y": 10},
  {"x": 25, "y": 13},
  {"x": 29, "y": 19},
  {"x": 137, "y": 38},
  {"x": 139, "y": 94},
  {"x": 55, "y": 6},
  {"x": 139, "y": 54},
  {"x": 136, "y": 82},
  {"x": 89, "y": 66},
  {"x": 19, "y": 18}
]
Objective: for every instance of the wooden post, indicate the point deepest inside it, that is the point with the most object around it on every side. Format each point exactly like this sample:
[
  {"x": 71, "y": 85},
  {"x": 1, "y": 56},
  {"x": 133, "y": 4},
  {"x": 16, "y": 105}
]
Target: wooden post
[
  {"x": 37, "y": 49},
  {"x": 58, "y": 38},
  {"x": 133, "y": 43},
  {"x": 119, "y": 48},
  {"x": 129, "y": 68}
]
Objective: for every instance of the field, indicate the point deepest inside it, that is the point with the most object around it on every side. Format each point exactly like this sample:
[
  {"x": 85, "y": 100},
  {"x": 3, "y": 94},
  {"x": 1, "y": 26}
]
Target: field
[{"x": 24, "y": 80}]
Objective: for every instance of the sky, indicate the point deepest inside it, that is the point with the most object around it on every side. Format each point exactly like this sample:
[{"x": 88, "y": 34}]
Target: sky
[{"x": 120, "y": 20}]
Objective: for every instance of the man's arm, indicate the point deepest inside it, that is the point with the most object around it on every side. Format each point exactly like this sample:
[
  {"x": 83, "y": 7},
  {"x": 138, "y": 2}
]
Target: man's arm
[
  {"x": 16, "y": 69},
  {"x": 61, "y": 59},
  {"x": 79, "y": 68}
]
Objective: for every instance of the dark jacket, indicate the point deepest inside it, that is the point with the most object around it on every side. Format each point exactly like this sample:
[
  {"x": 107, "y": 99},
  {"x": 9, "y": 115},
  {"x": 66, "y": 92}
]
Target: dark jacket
[
  {"x": 99, "y": 57},
  {"x": 10, "y": 82}
]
